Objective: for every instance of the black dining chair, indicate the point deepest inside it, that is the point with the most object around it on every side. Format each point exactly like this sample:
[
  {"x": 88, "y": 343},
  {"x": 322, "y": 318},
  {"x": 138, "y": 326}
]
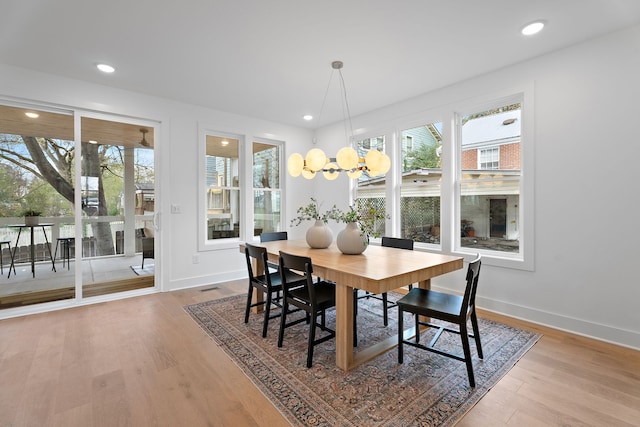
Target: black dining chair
[
  {"x": 314, "y": 298},
  {"x": 446, "y": 307},
  {"x": 269, "y": 283},
  {"x": 391, "y": 242},
  {"x": 271, "y": 236}
]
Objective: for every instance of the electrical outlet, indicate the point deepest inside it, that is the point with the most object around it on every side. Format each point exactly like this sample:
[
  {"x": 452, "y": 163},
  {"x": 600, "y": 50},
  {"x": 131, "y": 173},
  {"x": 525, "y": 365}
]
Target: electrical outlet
[
  {"x": 175, "y": 209},
  {"x": 196, "y": 258}
]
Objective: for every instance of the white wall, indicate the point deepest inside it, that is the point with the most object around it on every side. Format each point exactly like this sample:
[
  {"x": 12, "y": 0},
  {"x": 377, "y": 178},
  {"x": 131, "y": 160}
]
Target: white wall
[
  {"x": 587, "y": 151},
  {"x": 586, "y": 156}
]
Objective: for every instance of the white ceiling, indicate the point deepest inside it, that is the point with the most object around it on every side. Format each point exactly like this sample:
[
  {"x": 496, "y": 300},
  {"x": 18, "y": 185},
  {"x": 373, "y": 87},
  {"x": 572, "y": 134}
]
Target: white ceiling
[{"x": 272, "y": 59}]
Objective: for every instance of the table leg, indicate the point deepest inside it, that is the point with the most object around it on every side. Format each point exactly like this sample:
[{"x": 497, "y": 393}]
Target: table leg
[
  {"x": 53, "y": 263},
  {"x": 32, "y": 251},
  {"x": 344, "y": 327}
]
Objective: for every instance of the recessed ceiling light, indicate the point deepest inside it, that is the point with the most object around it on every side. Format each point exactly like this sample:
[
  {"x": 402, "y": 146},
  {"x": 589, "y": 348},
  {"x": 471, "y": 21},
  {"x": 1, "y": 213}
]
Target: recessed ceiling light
[
  {"x": 224, "y": 142},
  {"x": 91, "y": 141},
  {"x": 32, "y": 115},
  {"x": 307, "y": 117},
  {"x": 105, "y": 68},
  {"x": 533, "y": 28}
]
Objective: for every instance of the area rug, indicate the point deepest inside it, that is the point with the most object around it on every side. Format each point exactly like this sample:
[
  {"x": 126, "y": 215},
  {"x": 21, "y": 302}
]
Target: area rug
[
  {"x": 147, "y": 270},
  {"x": 426, "y": 390}
]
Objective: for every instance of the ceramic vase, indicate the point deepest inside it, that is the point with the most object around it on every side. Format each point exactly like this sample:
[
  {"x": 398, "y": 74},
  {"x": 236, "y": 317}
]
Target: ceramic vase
[
  {"x": 31, "y": 220},
  {"x": 350, "y": 241},
  {"x": 319, "y": 236}
]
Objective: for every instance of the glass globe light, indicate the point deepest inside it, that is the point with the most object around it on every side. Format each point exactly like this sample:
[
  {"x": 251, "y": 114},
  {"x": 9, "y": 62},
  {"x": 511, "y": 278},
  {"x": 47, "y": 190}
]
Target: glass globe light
[
  {"x": 331, "y": 171},
  {"x": 308, "y": 174},
  {"x": 385, "y": 164},
  {"x": 347, "y": 158},
  {"x": 295, "y": 164},
  {"x": 373, "y": 159},
  {"x": 316, "y": 159}
]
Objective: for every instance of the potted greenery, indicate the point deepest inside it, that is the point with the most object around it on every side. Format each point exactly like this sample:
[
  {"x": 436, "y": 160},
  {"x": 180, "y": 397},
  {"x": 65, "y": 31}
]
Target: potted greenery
[
  {"x": 361, "y": 221},
  {"x": 319, "y": 235},
  {"x": 31, "y": 217}
]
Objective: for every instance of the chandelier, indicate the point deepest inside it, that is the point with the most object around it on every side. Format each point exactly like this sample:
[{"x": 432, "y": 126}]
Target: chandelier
[{"x": 347, "y": 159}]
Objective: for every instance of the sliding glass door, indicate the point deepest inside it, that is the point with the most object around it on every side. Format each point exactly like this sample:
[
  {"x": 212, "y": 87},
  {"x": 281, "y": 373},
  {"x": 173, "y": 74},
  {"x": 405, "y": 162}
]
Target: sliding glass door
[
  {"x": 118, "y": 204},
  {"x": 74, "y": 226}
]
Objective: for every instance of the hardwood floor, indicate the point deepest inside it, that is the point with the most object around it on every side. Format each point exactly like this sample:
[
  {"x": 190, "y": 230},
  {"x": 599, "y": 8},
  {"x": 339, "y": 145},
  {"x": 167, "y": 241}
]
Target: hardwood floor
[{"x": 142, "y": 361}]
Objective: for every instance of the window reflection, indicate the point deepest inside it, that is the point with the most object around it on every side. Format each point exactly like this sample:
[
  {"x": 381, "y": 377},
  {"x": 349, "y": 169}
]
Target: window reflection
[{"x": 223, "y": 187}]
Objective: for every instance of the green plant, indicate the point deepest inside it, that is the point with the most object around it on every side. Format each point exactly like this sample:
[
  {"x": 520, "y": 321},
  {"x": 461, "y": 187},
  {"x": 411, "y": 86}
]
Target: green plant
[
  {"x": 31, "y": 212},
  {"x": 312, "y": 212},
  {"x": 366, "y": 217}
]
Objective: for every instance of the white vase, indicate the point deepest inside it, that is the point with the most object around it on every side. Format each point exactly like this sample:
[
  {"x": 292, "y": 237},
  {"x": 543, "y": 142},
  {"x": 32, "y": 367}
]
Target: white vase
[
  {"x": 350, "y": 241},
  {"x": 319, "y": 236}
]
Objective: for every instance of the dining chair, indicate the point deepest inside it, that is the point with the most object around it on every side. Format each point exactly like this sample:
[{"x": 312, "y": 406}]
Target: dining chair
[
  {"x": 8, "y": 243},
  {"x": 64, "y": 243},
  {"x": 446, "y": 307},
  {"x": 314, "y": 298},
  {"x": 271, "y": 236},
  {"x": 269, "y": 283},
  {"x": 391, "y": 242}
]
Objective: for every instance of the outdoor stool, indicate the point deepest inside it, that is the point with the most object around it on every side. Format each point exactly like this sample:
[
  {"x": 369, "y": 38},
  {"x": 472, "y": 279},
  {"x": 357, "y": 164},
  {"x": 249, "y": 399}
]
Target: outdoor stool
[
  {"x": 65, "y": 252},
  {"x": 8, "y": 243}
]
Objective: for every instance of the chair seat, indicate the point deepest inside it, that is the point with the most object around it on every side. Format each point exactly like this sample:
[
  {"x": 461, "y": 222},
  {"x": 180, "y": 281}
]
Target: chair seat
[
  {"x": 428, "y": 302},
  {"x": 276, "y": 281},
  {"x": 325, "y": 294}
]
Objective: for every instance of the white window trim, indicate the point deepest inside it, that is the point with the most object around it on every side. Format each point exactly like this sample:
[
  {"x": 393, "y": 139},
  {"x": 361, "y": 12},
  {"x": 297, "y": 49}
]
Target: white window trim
[
  {"x": 282, "y": 177},
  {"x": 524, "y": 260},
  {"x": 204, "y": 244}
]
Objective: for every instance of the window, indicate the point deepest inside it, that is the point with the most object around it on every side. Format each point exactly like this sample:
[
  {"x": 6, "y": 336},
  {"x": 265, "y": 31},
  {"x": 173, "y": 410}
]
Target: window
[
  {"x": 222, "y": 187},
  {"x": 489, "y": 158},
  {"x": 407, "y": 144},
  {"x": 370, "y": 190},
  {"x": 421, "y": 183},
  {"x": 489, "y": 179},
  {"x": 266, "y": 187}
]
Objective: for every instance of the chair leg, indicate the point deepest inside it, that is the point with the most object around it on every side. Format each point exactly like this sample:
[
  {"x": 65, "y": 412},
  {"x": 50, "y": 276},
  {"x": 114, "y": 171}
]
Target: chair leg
[
  {"x": 464, "y": 335},
  {"x": 416, "y": 317},
  {"x": 283, "y": 319},
  {"x": 400, "y": 333},
  {"x": 249, "y": 297},
  {"x": 312, "y": 338},
  {"x": 476, "y": 333},
  {"x": 267, "y": 312},
  {"x": 385, "y": 310}
]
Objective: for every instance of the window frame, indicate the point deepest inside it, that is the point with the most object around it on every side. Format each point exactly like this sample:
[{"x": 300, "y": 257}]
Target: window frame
[
  {"x": 449, "y": 115},
  {"x": 204, "y": 243},
  {"x": 280, "y": 145},
  {"x": 524, "y": 259}
]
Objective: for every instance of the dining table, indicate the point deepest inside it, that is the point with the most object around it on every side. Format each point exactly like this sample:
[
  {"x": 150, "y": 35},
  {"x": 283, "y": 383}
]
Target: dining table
[
  {"x": 32, "y": 245},
  {"x": 378, "y": 269}
]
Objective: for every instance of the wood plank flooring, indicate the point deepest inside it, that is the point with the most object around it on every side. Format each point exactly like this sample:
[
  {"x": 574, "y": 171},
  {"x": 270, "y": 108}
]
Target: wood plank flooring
[{"x": 143, "y": 362}]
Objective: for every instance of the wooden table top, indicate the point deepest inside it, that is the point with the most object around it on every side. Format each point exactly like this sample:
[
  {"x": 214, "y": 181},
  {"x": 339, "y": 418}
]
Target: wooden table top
[{"x": 378, "y": 269}]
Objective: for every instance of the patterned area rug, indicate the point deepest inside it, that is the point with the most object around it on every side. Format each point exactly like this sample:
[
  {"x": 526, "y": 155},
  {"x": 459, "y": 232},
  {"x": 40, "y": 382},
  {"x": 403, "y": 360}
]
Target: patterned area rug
[{"x": 426, "y": 390}]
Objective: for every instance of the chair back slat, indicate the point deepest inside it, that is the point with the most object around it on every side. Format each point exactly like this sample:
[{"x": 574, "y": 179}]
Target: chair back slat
[
  {"x": 473, "y": 274},
  {"x": 396, "y": 242},
  {"x": 259, "y": 254},
  {"x": 273, "y": 236},
  {"x": 299, "y": 264}
]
